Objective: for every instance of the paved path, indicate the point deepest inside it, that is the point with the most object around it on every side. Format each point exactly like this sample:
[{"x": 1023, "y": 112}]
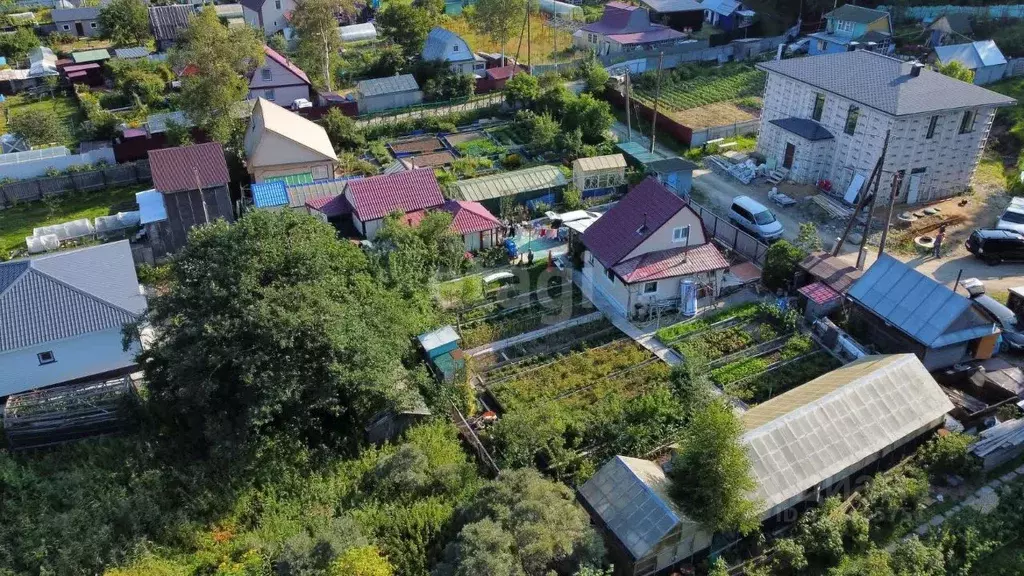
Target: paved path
[
  {"x": 984, "y": 499},
  {"x": 539, "y": 333}
]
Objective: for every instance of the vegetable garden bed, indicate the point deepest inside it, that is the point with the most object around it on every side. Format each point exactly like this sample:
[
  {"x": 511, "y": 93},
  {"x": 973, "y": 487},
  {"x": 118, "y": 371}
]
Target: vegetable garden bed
[
  {"x": 495, "y": 365},
  {"x": 478, "y": 327},
  {"x": 785, "y": 376},
  {"x": 507, "y": 135}
]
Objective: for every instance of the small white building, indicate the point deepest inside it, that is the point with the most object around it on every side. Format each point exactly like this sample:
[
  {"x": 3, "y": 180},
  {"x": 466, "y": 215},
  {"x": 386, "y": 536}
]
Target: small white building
[
  {"x": 599, "y": 172},
  {"x": 271, "y": 16},
  {"x": 281, "y": 145},
  {"x": 983, "y": 58},
  {"x": 387, "y": 93},
  {"x": 639, "y": 252},
  {"x": 61, "y": 316},
  {"x": 279, "y": 80},
  {"x": 825, "y": 125},
  {"x": 447, "y": 46}
]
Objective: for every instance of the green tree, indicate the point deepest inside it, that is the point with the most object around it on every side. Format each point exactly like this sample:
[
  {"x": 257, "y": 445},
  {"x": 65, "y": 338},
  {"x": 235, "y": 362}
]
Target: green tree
[
  {"x": 38, "y": 125},
  {"x": 125, "y": 22},
  {"x": 827, "y": 532},
  {"x": 316, "y": 24},
  {"x": 15, "y": 46},
  {"x": 388, "y": 60},
  {"x": 711, "y": 473},
  {"x": 962, "y": 541},
  {"x": 691, "y": 384},
  {"x": 893, "y": 495},
  {"x": 139, "y": 78},
  {"x": 448, "y": 85},
  {"x": 433, "y": 7},
  {"x": 222, "y": 58},
  {"x": 540, "y": 131},
  {"x": 521, "y": 90},
  {"x": 591, "y": 116},
  {"x": 780, "y": 264},
  {"x": 955, "y": 69},
  {"x": 409, "y": 257},
  {"x": 949, "y": 454},
  {"x": 278, "y": 43},
  {"x": 290, "y": 329},
  {"x": 572, "y": 198},
  {"x": 521, "y": 524},
  {"x": 554, "y": 100},
  {"x": 718, "y": 568},
  {"x": 911, "y": 557},
  {"x": 343, "y": 131},
  {"x": 500, "y": 20},
  {"x": 595, "y": 75},
  {"x": 404, "y": 25},
  {"x": 789, "y": 557},
  {"x": 361, "y": 561},
  {"x": 807, "y": 238}
]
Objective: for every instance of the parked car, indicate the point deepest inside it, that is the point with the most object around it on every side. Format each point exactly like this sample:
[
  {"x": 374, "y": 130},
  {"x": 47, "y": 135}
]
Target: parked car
[
  {"x": 1013, "y": 217},
  {"x": 752, "y": 216},
  {"x": 994, "y": 246},
  {"x": 1013, "y": 337}
]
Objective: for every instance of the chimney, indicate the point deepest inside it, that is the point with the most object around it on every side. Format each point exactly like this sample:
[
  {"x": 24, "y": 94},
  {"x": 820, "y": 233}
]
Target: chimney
[
  {"x": 915, "y": 69},
  {"x": 853, "y": 47}
]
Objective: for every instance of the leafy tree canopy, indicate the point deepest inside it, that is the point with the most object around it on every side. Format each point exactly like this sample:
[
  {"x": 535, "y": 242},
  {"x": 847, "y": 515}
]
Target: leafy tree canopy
[
  {"x": 500, "y": 20},
  {"x": 316, "y": 24},
  {"x": 955, "y": 69},
  {"x": 522, "y": 90},
  {"x": 405, "y": 25},
  {"x": 38, "y": 125},
  {"x": 125, "y": 22}
]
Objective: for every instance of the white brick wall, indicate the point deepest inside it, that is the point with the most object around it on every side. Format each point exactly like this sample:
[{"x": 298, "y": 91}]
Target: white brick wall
[{"x": 948, "y": 158}]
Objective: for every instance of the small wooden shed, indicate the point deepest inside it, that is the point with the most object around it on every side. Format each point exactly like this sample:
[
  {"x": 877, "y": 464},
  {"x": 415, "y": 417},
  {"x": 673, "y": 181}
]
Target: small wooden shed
[{"x": 599, "y": 172}]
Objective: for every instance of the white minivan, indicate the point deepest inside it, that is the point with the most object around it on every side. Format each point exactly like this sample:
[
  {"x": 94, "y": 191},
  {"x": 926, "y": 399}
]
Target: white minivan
[{"x": 752, "y": 216}]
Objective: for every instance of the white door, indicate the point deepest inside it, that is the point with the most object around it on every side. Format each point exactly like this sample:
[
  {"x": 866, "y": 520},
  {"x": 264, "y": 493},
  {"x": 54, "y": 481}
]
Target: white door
[{"x": 913, "y": 188}]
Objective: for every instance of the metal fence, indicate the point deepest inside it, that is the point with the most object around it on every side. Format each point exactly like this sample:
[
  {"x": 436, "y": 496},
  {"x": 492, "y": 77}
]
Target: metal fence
[
  {"x": 37, "y": 189},
  {"x": 728, "y": 235},
  {"x": 699, "y": 137},
  {"x": 933, "y": 12},
  {"x": 431, "y": 109}
]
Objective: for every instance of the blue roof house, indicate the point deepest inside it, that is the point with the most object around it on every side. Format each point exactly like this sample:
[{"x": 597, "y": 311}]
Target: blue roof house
[
  {"x": 851, "y": 24},
  {"x": 447, "y": 46},
  {"x": 899, "y": 309},
  {"x": 728, "y": 15},
  {"x": 983, "y": 58}
]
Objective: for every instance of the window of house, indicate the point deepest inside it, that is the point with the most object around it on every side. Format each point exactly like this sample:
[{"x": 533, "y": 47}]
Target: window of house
[
  {"x": 919, "y": 170},
  {"x": 650, "y": 287},
  {"x": 611, "y": 275},
  {"x": 266, "y": 74},
  {"x": 320, "y": 173},
  {"x": 67, "y": 26},
  {"x": 819, "y": 106},
  {"x": 269, "y": 95},
  {"x": 277, "y": 4},
  {"x": 931, "y": 127},
  {"x": 967, "y": 123},
  {"x": 851, "y": 120},
  {"x": 92, "y": 25},
  {"x": 681, "y": 234},
  {"x": 46, "y": 357},
  {"x": 821, "y": 45},
  {"x": 844, "y": 26},
  {"x": 455, "y": 48}
]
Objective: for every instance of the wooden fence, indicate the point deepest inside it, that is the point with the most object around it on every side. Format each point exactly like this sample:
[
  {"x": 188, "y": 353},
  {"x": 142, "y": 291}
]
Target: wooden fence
[{"x": 38, "y": 188}]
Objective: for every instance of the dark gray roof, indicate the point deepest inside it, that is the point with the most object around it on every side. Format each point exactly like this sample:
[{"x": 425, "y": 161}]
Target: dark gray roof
[
  {"x": 885, "y": 83},
  {"x": 168, "y": 22},
  {"x": 918, "y": 306},
  {"x": 860, "y": 14},
  {"x": 670, "y": 165},
  {"x": 72, "y": 14},
  {"x": 68, "y": 294},
  {"x": 387, "y": 85},
  {"x": 953, "y": 22},
  {"x": 668, "y": 6},
  {"x": 804, "y": 128}
]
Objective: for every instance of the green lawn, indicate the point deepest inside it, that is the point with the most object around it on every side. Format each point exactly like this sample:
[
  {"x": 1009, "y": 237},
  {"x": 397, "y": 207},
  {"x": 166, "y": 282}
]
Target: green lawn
[
  {"x": 64, "y": 107},
  {"x": 16, "y": 223}
]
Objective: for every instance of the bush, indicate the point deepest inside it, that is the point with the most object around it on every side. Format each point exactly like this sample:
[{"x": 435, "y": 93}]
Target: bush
[
  {"x": 895, "y": 495},
  {"x": 573, "y": 198},
  {"x": 780, "y": 264},
  {"x": 789, "y": 557},
  {"x": 949, "y": 454},
  {"x": 512, "y": 162}
]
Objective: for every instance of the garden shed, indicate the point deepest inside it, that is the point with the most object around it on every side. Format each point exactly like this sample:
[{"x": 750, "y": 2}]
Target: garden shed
[
  {"x": 540, "y": 183},
  {"x": 87, "y": 56},
  {"x": 675, "y": 173},
  {"x": 599, "y": 172},
  {"x": 636, "y": 154},
  {"x": 386, "y": 93}
]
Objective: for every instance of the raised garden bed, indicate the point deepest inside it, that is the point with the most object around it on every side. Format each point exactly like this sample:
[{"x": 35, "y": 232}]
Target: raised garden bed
[
  {"x": 730, "y": 331},
  {"x": 670, "y": 334},
  {"x": 507, "y": 136},
  {"x": 479, "y": 147},
  {"x": 417, "y": 146},
  {"x": 496, "y": 365},
  {"x": 524, "y": 318}
]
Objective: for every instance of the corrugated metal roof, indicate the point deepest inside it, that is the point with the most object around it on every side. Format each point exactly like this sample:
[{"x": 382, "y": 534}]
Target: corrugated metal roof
[
  {"x": 645, "y": 209},
  {"x": 189, "y": 167},
  {"x": 136, "y": 52},
  {"x": 638, "y": 152},
  {"x": 90, "y": 56},
  {"x": 595, "y": 163},
  {"x": 377, "y": 196},
  {"x": 167, "y": 22},
  {"x": 437, "y": 338},
  {"x": 509, "y": 183},
  {"x": 671, "y": 263},
  {"x": 301, "y": 194},
  {"x": 814, "y": 432},
  {"x": 925, "y": 310},
  {"x": 151, "y": 206},
  {"x": 269, "y": 194},
  {"x": 631, "y": 497},
  {"x": 436, "y": 46},
  {"x": 388, "y": 85},
  {"x": 68, "y": 294},
  {"x": 71, "y": 14},
  {"x": 972, "y": 55},
  {"x": 859, "y": 14}
]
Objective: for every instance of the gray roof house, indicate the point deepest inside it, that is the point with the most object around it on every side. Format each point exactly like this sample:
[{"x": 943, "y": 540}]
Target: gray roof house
[
  {"x": 983, "y": 58},
  {"x": 386, "y": 93},
  {"x": 167, "y": 23},
  {"x": 820, "y": 125},
  {"x": 78, "y": 21},
  {"x": 447, "y": 46},
  {"x": 905, "y": 311},
  {"x": 61, "y": 316},
  {"x": 800, "y": 444}
]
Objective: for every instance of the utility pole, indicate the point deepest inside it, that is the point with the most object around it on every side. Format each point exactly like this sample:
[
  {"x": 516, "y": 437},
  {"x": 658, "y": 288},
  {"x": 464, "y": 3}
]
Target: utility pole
[
  {"x": 529, "y": 64},
  {"x": 629, "y": 122},
  {"x": 896, "y": 183},
  {"x": 875, "y": 175},
  {"x": 657, "y": 96},
  {"x": 867, "y": 225}
]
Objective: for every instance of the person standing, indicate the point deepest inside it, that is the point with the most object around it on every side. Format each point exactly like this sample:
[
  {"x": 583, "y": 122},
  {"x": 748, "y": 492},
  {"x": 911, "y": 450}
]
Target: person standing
[{"x": 938, "y": 241}]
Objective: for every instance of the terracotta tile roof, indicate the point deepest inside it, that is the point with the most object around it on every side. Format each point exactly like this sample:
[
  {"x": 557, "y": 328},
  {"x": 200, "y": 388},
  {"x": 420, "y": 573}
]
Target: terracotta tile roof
[
  {"x": 273, "y": 55},
  {"x": 176, "y": 169},
  {"x": 819, "y": 293},
  {"x": 467, "y": 217},
  {"x": 376, "y": 197},
  {"x": 671, "y": 263},
  {"x": 330, "y": 206},
  {"x": 647, "y": 207}
]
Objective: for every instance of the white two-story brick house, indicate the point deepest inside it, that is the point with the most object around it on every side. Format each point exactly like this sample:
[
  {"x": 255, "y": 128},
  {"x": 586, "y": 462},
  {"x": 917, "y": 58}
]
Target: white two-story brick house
[{"x": 825, "y": 118}]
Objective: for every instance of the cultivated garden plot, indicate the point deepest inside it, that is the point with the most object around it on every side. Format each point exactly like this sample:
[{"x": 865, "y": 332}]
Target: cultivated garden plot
[
  {"x": 699, "y": 97},
  {"x": 520, "y": 314},
  {"x": 475, "y": 145},
  {"x": 495, "y": 365},
  {"x": 754, "y": 351},
  {"x": 508, "y": 135}
]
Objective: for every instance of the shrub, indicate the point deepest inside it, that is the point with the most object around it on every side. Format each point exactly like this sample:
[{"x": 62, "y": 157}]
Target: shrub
[
  {"x": 573, "y": 198},
  {"x": 512, "y": 162},
  {"x": 780, "y": 265},
  {"x": 949, "y": 454},
  {"x": 894, "y": 495},
  {"x": 789, "y": 557}
]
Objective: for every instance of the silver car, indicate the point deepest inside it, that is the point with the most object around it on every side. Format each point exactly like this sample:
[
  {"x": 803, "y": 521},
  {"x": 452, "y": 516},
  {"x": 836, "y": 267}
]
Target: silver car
[{"x": 1013, "y": 217}]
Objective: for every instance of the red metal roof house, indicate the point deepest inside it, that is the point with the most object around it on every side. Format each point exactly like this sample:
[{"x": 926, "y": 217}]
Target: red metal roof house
[
  {"x": 640, "y": 251},
  {"x": 279, "y": 80},
  {"x": 193, "y": 181}
]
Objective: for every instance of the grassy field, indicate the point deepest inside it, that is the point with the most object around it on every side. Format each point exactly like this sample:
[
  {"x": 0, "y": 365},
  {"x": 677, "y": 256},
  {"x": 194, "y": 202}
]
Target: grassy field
[
  {"x": 542, "y": 45},
  {"x": 17, "y": 222},
  {"x": 64, "y": 107}
]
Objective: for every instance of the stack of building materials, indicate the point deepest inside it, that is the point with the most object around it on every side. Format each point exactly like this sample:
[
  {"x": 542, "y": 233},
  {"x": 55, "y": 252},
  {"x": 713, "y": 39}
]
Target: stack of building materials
[{"x": 1000, "y": 443}]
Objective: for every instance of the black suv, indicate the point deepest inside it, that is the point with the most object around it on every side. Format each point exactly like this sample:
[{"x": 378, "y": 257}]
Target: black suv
[{"x": 995, "y": 246}]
